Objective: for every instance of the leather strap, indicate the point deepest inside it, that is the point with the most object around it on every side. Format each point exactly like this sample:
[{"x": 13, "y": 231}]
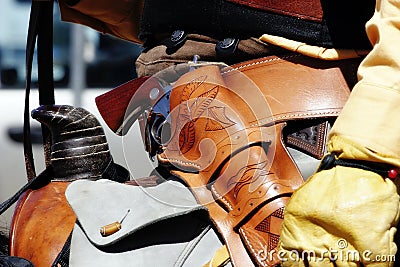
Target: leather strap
[
  {"x": 45, "y": 68},
  {"x": 62, "y": 259},
  {"x": 308, "y": 9},
  {"x": 315, "y": 88},
  {"x": 30, "y": 46},
  {"x": 40, "y": 30}
]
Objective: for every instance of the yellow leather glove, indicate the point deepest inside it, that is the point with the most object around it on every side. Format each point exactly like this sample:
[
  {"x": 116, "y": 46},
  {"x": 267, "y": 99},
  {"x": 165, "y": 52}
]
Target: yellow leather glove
[{"x": 342, "y": 216}]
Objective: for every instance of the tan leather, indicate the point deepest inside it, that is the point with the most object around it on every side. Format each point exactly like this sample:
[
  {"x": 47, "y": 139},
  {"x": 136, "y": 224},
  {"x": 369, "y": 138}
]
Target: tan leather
[
  {"x": 298, "y": 87},
  {"x": 245, "y": 187},
  {"x": 41, "y": 224},
  {"x": 313, "y": 89},
  {"x": 227, "y": 143}
]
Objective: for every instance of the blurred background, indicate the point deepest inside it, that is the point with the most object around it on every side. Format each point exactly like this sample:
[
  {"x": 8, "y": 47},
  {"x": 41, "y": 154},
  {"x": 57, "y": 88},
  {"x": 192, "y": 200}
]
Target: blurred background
[{"x": 86, "y": 64}]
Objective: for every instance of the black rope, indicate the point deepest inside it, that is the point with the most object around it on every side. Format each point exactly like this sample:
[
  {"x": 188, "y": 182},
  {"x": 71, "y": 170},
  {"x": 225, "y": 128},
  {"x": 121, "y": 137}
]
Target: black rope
[{"x": 330, "y": 161}]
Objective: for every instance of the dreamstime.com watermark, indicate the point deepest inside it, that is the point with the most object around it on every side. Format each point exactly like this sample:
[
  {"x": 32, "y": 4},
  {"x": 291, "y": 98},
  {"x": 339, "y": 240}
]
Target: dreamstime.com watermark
[{"x": 340, "y": 253}]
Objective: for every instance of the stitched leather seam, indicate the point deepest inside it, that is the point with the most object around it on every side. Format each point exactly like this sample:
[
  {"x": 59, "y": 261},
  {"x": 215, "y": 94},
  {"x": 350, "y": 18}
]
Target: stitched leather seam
[
  {"x": 321, "y": 141},
  {"x": 251, "y": 247},
  {"x": 308, "y": 147},
  {"x": 261, "y": 62},
  {"x": 222, "y": 198},
  {"x": 179, "y": 162},
  {"x": 297, "y": 115},
  {"x": 304, "y": 146},
  {"x": 236, "y": 147}
]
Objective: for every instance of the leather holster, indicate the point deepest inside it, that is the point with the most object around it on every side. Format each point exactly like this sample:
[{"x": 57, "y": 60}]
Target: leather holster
[
  {"x": 230, "y": 132},
  {"x": 227, "y": 143}
]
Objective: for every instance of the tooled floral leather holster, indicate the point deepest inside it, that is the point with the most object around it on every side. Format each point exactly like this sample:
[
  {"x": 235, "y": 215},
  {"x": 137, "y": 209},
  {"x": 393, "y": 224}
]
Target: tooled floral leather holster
[
  {"x": 227, "y": 144},
  {"x": 229, "y": 135}
]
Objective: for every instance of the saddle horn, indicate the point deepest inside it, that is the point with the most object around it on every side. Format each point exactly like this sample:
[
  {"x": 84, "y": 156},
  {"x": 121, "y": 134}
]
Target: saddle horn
[{"x": 79, "y": 146}]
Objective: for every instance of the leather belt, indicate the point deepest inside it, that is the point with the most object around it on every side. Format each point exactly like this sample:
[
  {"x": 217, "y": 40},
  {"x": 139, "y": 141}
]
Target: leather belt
[{"x": 308, "y": 9}]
